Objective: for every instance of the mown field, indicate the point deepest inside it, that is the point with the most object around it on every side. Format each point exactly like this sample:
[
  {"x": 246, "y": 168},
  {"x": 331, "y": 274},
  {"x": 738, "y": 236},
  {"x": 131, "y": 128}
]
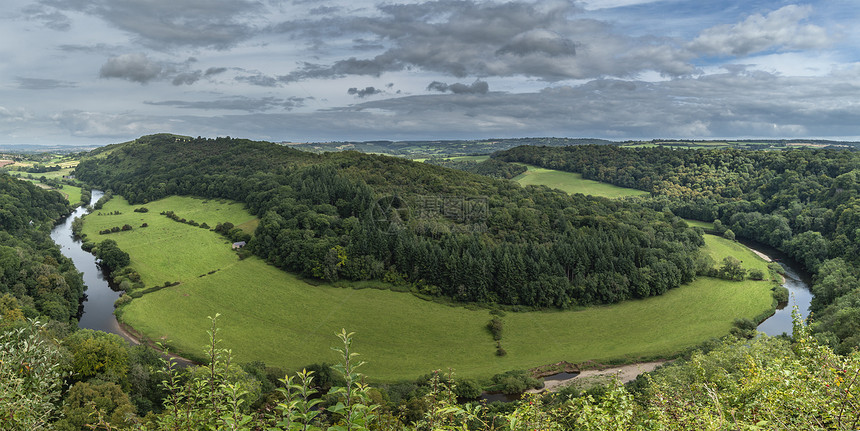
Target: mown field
[
  {"x": 275, "y": 317},
  {"x": 572, "y": 183}
]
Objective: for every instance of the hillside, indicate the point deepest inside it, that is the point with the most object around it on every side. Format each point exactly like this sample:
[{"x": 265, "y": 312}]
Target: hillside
[
  {"x": 805, "y": 202},
  {"x": 444, "y": 232}
]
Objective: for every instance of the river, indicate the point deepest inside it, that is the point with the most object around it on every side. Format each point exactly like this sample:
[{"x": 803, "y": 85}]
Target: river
[
  {"x": 797, "y": 281},
  {"x": 98, "y": 305}
]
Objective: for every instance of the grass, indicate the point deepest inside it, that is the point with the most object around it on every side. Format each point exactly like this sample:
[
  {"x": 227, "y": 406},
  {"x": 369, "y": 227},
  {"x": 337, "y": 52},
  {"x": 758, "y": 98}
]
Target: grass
[
  {"x": 273, "y": 316},
  {"x": 72, "y": 193},
  {"x": 570, "y": 182},
  {"x": 719, "y": 247},
  {"x": 706, "y": 225},
  {"x": 167, "y": 250}
]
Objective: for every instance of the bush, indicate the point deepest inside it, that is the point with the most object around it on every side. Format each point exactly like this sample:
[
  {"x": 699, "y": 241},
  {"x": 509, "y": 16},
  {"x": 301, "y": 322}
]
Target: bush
[
  {"x": 495, "y": 328},
  {"x": 514, "y": 382},
  {"x": 756, "y": 274},
  {"x": 122, "y": 300},
  {"x": 468, "y": 389},
  {"x": 780, "y": 294},
  {"x": 141, "y": 210}
]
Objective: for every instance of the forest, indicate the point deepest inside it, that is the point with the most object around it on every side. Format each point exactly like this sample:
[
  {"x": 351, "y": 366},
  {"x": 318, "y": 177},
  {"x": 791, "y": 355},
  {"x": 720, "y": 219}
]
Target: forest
[
  {"x": 532, "y": 244},
  {"x": 804, "y": 202},
  {"x": 464, "y": 236},
  {"x": 35, "y": 278}
]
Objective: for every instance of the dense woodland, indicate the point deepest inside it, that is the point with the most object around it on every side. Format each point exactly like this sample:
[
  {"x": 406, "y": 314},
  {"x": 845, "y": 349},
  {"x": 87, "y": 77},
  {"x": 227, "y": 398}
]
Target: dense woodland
[
  {"x": 805, "y": 202},
  {"x": 35, "y": 278},
  {"x": 468, "y": 237}
]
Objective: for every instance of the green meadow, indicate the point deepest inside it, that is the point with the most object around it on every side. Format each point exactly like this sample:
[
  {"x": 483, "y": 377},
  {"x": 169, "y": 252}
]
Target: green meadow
[
  {"x": 570, "y": 182},
  {"x": 273, "y": 316}
]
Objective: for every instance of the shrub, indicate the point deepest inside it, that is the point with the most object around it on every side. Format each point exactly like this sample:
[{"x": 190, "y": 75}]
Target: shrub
[
  {"x": 122, "y": 300},
  {"x": 756, "y": 274},
  {"x": 495, "y": 328},
  {"x": 780, "y": 294},
  {"x": 468, "y": 388}
]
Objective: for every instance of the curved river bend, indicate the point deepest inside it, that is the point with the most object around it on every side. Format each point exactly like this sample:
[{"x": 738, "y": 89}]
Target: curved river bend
[{"x": 98, "y": 304}]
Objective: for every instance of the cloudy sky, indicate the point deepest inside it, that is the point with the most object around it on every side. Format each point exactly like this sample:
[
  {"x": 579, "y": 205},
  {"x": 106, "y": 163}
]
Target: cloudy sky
[{"x": 103, "y": 71}]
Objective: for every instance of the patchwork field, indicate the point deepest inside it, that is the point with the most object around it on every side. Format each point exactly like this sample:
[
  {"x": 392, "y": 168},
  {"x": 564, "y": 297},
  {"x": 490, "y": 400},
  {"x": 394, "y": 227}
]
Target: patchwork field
[
  {"x": 275, "y": 317},
  {"x": 570, "y": 182}
]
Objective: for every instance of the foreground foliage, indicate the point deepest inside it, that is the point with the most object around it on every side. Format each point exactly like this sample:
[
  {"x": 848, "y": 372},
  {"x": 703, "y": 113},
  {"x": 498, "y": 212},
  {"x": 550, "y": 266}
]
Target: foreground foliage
[{"x": 759, "y": 383}]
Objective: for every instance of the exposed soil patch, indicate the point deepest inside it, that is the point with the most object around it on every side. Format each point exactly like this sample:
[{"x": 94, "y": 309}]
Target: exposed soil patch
[{"x": 624, "y": 374}]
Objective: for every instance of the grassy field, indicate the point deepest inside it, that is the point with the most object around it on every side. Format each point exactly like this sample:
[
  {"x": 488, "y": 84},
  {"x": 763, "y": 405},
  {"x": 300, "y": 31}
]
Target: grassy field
[
  {"x": 275, "y": 317},
  {"x": 167, "y": 250},
  {"x": 72, "y": 193},
  {"x": 572, "y": 183},
  {"x": 719, "y": 248}
]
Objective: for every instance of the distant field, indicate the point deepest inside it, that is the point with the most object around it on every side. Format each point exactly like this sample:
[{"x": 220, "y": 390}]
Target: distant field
[
  {"x": 570, "y": 182},
  {"x": 275, "y": 317},
  {"x": 72, "y": 193}
]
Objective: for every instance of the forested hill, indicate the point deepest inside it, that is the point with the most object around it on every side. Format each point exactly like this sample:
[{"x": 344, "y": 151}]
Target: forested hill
[
  {"x": 444, "y": 232},
  {"x": 35, "y": 279},
  {"x": 805, "y": 202}
]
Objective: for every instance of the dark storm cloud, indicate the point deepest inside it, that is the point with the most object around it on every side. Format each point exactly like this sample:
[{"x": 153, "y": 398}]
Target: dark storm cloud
[
  {"x": 42, "y": 84},
  {"x": 477, "y": 87},
  {"x": 236, "y": 103},
  {"x": 164, "y": 23},
  {"x": 362, "y": 93},
  {"x": 132, "y": 67}
]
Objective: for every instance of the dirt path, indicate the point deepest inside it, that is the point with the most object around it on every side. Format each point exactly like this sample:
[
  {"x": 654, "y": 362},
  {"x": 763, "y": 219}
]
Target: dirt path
[{"x": 624, "y": 373}]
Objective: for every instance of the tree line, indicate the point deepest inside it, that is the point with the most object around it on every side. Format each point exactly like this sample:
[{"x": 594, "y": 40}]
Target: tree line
[{"x": 446, "y": 232}]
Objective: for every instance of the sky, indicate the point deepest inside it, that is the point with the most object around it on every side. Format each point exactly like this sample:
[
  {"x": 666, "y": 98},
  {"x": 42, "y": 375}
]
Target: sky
[{"x": 95, "y": 72}]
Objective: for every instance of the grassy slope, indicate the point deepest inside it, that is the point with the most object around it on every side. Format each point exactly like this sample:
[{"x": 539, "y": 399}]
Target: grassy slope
[
  {"x": 572, "y": 183},
  {"x": 167, "y": 250},
  {"x": 273, "y": 316}
]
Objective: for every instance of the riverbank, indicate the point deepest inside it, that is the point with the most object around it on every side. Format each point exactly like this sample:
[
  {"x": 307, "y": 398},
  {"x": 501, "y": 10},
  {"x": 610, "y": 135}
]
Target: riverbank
[{"x": 624, "y": 374}]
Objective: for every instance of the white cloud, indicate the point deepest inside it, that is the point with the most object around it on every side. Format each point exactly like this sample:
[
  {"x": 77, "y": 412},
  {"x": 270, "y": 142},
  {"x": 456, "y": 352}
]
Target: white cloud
[{"x": 780, "y": 29}]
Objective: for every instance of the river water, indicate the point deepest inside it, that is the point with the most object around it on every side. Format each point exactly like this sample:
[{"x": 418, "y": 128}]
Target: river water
[
  {"x": 98, "y": 305},
  {"x": 797, "y": 282}
]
